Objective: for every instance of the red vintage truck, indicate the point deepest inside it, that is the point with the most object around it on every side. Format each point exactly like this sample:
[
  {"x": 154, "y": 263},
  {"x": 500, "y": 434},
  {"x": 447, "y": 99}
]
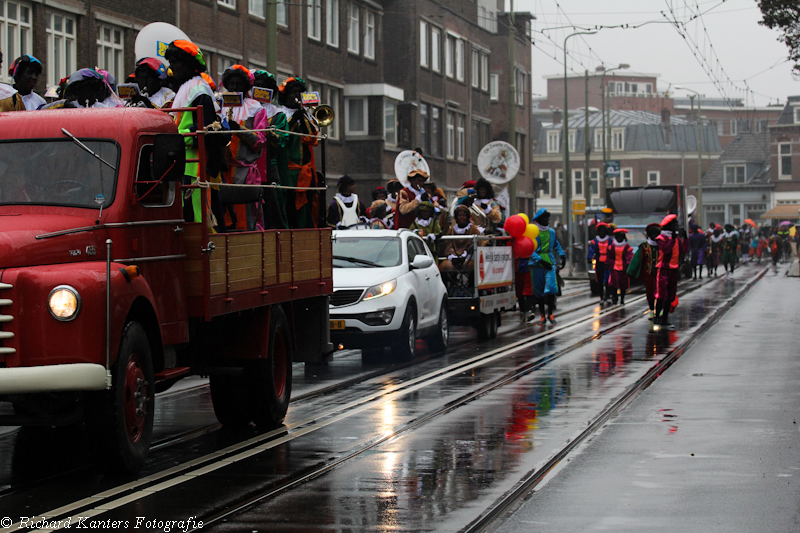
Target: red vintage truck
[{"x": 107, "y": 296}]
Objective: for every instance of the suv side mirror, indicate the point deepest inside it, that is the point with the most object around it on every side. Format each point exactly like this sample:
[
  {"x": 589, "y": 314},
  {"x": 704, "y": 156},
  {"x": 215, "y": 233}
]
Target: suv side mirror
[
  {"x": 169, "y": 150},
  {"x": 421, "y": 261}
]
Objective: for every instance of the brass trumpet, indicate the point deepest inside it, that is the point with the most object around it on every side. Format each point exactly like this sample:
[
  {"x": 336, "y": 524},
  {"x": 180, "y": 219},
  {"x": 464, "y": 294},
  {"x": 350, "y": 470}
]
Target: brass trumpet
[{"x": 324, "y": 115}]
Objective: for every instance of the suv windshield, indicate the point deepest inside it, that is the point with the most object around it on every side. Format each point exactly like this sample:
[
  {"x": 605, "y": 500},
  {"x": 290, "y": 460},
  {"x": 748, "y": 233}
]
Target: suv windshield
[
  {"x": 365, "y": 252},
  {"x": 57, "y": 172}
]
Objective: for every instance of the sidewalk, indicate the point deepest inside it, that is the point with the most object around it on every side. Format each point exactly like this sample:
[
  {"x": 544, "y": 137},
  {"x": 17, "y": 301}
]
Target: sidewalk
[{"x": 712, "y": 445}]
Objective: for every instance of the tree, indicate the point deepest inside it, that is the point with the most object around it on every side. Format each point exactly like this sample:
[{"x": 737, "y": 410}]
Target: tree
[{"x": 784, "y": 15}]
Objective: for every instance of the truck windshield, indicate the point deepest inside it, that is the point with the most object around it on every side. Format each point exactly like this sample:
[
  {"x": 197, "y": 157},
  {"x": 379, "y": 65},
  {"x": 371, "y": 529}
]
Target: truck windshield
[
  {"x": 365, "y": 252},
  {"x": 57, "y": 172}
]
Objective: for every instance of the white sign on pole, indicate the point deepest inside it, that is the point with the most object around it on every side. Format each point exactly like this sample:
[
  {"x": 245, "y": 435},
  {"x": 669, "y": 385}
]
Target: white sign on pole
[
  {"x": 498, "y": 162},
  {"x": 405, "y": 162}
]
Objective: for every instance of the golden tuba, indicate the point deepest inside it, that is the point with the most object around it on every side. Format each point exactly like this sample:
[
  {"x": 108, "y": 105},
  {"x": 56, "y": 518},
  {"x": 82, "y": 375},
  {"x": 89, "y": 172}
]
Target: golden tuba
[{"x": 324, "y": 115}]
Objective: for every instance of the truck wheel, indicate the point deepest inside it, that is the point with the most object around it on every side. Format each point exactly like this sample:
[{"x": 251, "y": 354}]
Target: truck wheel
[
  {"x": 437, "y": 342},
  {"x": 120, "y": 421},
  {"x": 495, "y": 323},
  {"x": 405, "y": 346},
  {"x": 269, "y": 382},
  {"x": 228, "y": 399},
  {"x": 484, "y": 326}
]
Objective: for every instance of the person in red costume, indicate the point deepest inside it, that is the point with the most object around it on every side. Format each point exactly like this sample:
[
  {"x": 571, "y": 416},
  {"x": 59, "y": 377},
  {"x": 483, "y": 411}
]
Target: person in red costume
[
  {"x": 598, "y": 251},
  {"x": 670, "y": 250},
  {"x": 619, "y": 254}
]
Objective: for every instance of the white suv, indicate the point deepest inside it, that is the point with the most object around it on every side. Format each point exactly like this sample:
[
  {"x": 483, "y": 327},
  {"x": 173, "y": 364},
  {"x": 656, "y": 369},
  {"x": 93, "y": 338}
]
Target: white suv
[{"x": 387, "y": 292}]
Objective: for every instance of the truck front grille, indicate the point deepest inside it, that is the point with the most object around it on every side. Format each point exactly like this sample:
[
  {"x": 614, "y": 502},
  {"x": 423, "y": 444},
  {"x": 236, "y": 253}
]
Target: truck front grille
[{"x": 4, "y": 320}]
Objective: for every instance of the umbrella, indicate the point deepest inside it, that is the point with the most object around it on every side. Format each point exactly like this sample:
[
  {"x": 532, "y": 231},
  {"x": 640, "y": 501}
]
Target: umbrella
[
  {"x": 785, "y": 223},
  {"x": 750, "y": 221}
]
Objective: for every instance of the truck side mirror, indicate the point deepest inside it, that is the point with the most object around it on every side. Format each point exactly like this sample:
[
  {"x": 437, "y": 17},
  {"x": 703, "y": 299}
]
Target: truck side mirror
[{"x": 169, "y": 150}]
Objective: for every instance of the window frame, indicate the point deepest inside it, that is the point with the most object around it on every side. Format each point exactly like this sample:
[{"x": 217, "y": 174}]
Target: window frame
[
  {"x": 424, "y": 37},
  {"x": 657, "y": 174},
  {"x": 436, "y": 49},
  {"x": 332, "y": 22},
  {"x": 117, "y": 50},
  {"x": 475, "y": 69},
  {"x": 253, "y": 11},
  {"x": 449, "y": 59},
  {"x": 333, "y": 101},
  {"x": 594, "y": 182},
  {"x": 571, "y": 140},
  {"x": 227, "y": 3},
  {"x": 314, "y": 19},
  {"x": 459, "y": 59},
  {"x": 461, "y": 137},
  {"x": 365, "y": 115},
  {"x": 424, "y": 126},
  {"x": 369, "y": 34},
  {"x": 623, "y": 178},
  {"x": 598, "y": 140},
  {"x": 390, "y": 104},
  {"x": 450, "y": 136},
  {"x": 67, "y": 60},
  {"x": 577, "y": 183},
  {"x": 617, "y": 147},
  {"x": 553, "y": 138},
  {"x": 354, "y": 29},
  {"x": 545, "y": 174},
  {"x": 494, "y": 87},
  {"x": 435, "y": 132},
  {"x": 731, "y": 174},
  {"x": 784, "y": 157},
  {"x": 281, "y": 13},
  {"x": 484, "y": 72}
]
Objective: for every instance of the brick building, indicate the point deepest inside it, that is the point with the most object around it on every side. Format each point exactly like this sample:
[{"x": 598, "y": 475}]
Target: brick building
[
  {"x": 731, "y": 118},
  {"x": 784, "y": 159},
  {"x": 652, "y": 150},
  {"x": 399, "y": 74}
]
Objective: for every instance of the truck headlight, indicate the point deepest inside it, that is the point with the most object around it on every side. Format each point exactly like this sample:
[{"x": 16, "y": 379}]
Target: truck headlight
[
  {"x": 64, "y": 303},
  {"x": 382, "y": 289}
]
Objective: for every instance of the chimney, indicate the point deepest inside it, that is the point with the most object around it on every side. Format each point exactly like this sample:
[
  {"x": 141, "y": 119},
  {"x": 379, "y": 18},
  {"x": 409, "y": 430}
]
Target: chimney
[
  {"x": 556, "y": 116},
  {"x": 665, "y": 122}
]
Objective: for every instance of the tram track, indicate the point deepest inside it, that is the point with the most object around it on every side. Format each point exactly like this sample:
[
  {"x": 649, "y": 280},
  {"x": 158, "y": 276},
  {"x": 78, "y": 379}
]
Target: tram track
[{"x": 102, "y": 502}]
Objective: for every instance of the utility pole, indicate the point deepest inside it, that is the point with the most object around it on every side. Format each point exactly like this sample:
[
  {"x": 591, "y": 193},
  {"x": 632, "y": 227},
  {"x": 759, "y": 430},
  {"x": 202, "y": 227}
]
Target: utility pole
[
  {"x": 606, "y": 112},
  {"x": 587, "y": 192},
  {"x": 272, "y": 36},
  {"x": 699, "y": 209},
  {"x": 512, "y": 106}
]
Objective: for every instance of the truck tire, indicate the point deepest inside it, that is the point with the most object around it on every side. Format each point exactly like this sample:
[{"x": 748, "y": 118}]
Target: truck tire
[
  {"x": 229, "y": 401},
  {"x": 495, "y": 324},
  {"x": 484, "y": 326},
  {"x": 120, "y": 421},
  {"x": 405, "y": 347},
  {"x": 437, "y": 341},
  {"x": 268, "y": 383}
]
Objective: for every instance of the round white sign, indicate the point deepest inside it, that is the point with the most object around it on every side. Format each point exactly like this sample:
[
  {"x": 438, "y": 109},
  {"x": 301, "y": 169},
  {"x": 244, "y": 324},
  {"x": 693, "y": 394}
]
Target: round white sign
[
  {"x": 406, "y": 161},
  {"x": 154, "y": 39},
  {"x": 498, "y": 162}
]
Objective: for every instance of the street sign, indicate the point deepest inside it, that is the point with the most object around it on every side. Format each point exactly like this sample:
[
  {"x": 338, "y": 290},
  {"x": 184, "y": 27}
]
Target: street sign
[
  {"x": 578, "y": 207},
  {"x": 612, "y": 168}
]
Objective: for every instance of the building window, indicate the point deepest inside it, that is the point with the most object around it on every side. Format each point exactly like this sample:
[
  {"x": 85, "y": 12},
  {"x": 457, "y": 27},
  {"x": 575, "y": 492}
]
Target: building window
[
  {"x": 390, "y": 123},
  {"x": 484, "y": 72},
  {"x": 553, "y": 142},
  {"x": 60, "y": 47},
  {"x": 734, "y": 174},
  {"x": 423, "y": 126},
  {"x": 598, "y": 139},
  {"x": 223, "y": 64},
  {"x": 459, "y": 60},
  {"x": 785, "y": 151},
  {"x": 476, "y": 71},
  {"x": 594, "y": 182},
  {"x": 436, "y": 131},
  {"x": 229, "y": 3},
  {"x": 617, "y": 139},
  {"x": 369, "y": 36},
  {"x": 15, "y": 32},
  {"x": 451, "y": 135},
  {"x": 577, "y": 183},
  {"x": 460, "y": 138},
  {"x": 762, "y": 125},
  {"x": 733, "y": 126},
  {"x": 544, "y": 175},
  {"x": 436, "y": 61},
  {"x": 110, "y": 50},
  {"x": 649, "y": 88},
  {"x": 720, "y": 127},
  {"x": 520, "y": 146},
  {"x": 653, "y": 177},
  {"x": 627, "y": 177},
  {"x": 494, "y": 87},
  {"x": 314, "y": 19},
  {"x": 353, "y": 30},
  {"x": 571, "y": 140},
  {"x": 520, "y": 75},
  {"x": 282, "y": 14},
  {"x": 423, "y": 43},
  {"x": 333, "y": 100},
  {"x": 256, "y": 8},
  {"x": 796, "y": 115},
  {"x": 356, "y": 117},
  {"x": 560, "y": 186},
  {"x": 332, "y": 22},
  {"x": 448, "y": 56}
]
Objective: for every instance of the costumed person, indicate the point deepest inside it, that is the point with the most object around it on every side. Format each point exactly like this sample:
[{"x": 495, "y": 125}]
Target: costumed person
[
  {"x": 439, "y": 200},
  {"x": 186, "y": 64},
  {"x": 380, "y": 215},
  {"x": 409, "y": 198},
  {"x": 775, "y": 247},
  {"x": 763, "y": 245},
  {"x": 484, "y": 200},
  {"x": 619, "y": 255},
  {"x": 697, "y": 245},
  {"x": 243, "y": 204},
  {"x": 458, "y": 264},
  {"x": 598, "y": 252},
  {"x": 729, "y": 250},
  {"x": 643, "y": 266},
  {"x": 392, "y": 188},
  {"x": 783, "y": 233},
  {"x": 274, "y": 200},
  {"x": 151, "y": 74},
  {"x": 426, "y": 225},
  {"x": 715, "y": 249},
  {"x": 379, "y": 193},
  {"x": 346, "y": 209},
  {"x": 670, "y": 250},
  {"x": 296, "y": 160},
  {"x": 544, "y": 265},
  {"x": 10, "y": 99},
  {"x": 26, "y": 70},
  {"x": 524, "y": 290},
  {"x": 746, "y": 236},
  {"x": 111, "y": 99}
]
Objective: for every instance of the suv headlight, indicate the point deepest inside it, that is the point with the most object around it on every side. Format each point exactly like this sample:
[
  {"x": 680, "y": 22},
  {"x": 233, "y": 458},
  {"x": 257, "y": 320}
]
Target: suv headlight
[
  {"x": 64, "y": 303},
  {"x": 382, "y": 289}
]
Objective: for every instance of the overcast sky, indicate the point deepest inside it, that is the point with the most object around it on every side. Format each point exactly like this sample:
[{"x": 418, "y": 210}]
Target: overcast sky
[{"x": 737, "y": 50}]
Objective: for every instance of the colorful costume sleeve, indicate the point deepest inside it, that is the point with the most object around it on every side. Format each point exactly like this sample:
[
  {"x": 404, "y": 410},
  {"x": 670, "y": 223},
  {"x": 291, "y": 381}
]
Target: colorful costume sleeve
[
  {"x": 635, "y": 266},
  {"x": 594, "y": 251}
]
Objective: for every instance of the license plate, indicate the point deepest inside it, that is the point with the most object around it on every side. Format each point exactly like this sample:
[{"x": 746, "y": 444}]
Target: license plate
[{"x": 337, "y": 324}]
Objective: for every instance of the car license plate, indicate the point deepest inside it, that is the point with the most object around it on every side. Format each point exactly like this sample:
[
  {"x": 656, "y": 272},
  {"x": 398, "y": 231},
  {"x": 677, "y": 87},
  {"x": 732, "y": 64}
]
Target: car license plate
[{"x": 337, "y": 324}]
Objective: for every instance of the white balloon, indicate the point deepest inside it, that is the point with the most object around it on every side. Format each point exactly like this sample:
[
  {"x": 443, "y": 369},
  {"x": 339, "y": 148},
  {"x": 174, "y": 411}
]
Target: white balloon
[{"x": 154, "y": 38}]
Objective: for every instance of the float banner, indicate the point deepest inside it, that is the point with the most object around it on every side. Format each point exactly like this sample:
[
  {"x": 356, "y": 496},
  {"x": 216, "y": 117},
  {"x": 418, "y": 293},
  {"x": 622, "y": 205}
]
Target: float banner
[{"x": 495, "y": 266}]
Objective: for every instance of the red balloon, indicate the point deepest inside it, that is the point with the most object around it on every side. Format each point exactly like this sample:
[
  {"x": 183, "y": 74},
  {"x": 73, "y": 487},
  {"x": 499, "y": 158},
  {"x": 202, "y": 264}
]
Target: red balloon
[
  {"x": 523, "y": 247},
  {"x": 515, "y": 225}
]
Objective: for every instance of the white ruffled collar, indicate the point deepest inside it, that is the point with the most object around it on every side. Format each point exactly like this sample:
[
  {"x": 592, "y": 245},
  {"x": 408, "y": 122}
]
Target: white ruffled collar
[
  {"x": 347, "y": 199},
  {"x": 462, "y": 231},
  {"x": 424, "y": 222}
]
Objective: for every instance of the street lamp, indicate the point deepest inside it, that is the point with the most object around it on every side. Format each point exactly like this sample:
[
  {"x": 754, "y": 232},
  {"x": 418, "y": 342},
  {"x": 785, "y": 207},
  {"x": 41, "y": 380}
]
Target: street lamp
[
  {"x": 699, "y": 208},
  {"x": 603, "y": 97},
  {"x": 566, "y": 204}
]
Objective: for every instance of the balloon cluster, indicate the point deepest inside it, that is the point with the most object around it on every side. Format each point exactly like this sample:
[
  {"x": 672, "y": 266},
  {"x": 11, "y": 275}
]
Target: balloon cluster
[{"x": 524, "y": 233}]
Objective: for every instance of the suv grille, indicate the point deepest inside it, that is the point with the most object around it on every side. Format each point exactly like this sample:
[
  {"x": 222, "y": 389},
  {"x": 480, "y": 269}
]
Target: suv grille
[{"x": 345, "y": 297}]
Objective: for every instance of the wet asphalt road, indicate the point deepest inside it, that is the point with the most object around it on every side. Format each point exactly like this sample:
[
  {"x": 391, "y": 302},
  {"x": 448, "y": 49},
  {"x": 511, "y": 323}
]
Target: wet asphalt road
[{"x": 427, "y": 447}]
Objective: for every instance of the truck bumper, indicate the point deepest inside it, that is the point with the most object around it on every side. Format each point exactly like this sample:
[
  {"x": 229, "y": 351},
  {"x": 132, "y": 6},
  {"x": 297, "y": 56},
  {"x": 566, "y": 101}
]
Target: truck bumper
[{"x": 53, "y": 378}]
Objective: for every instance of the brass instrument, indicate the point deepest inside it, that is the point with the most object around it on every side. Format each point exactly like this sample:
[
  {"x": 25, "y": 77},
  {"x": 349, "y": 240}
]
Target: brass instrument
[
  {"x": 478, "y": 216},
  {"x": 324, "y": 115}
]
